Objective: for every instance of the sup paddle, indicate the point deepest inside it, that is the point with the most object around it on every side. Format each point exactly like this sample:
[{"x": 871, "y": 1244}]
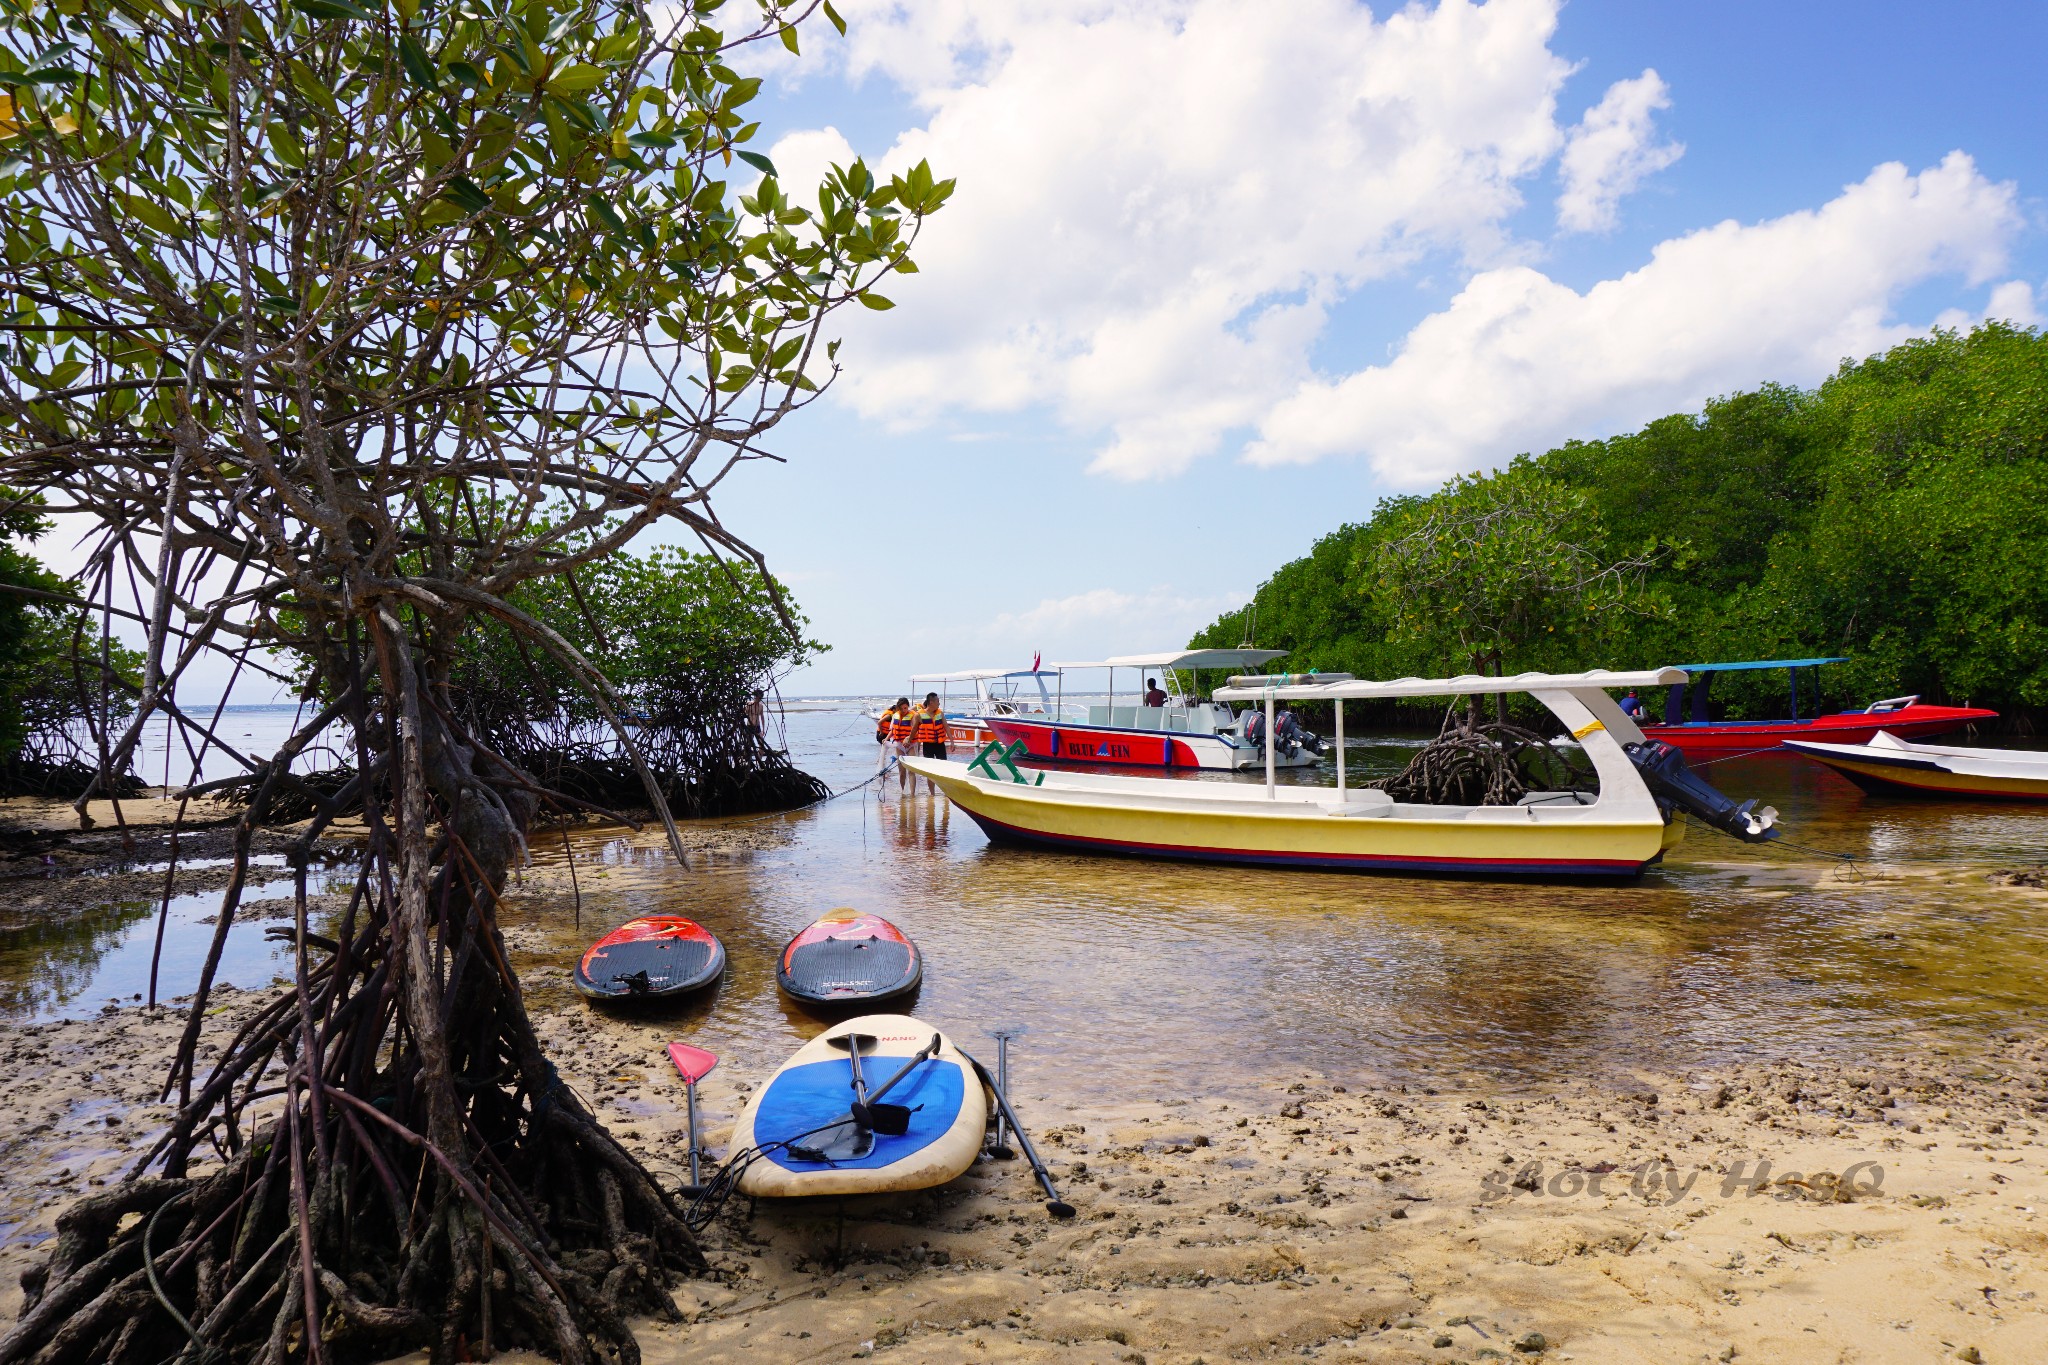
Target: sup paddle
[
  {"x": 695, "y": 1064},
  {"x": 1054, "y": 1205},
  {"x": 1001, "y": 1150},
  {"x": 869, "y": 1115}
]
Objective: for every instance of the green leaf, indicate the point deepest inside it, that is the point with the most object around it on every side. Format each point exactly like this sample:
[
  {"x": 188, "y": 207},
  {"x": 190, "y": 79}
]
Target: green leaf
[
  {"x": 464, "y": 193},
  {"x": 279, "y": 305},
  {"x": 334, "y": 9},
  {"x": 151, "y": 214},
  {"x": 657, "y": 141},
  {"x": 832, "y": 15},
  {"x": 758, "y": 162},
  {"x": 571, "y": 79},
  {"x": 419, "y": 67},
  {"x": 875, "y": 301},
  {"x": 468, "y": 75},
  {"x": 789, "y": 39}
]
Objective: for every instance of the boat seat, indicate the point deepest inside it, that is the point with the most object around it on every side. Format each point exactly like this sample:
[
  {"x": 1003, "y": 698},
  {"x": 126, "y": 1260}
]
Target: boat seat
[
  {"x": 1573, "y": 798},
  {"x": 1123, "y": 717},
  {"x": 1363, "y": 803},
  {"x": 1098, "y": 715},
  {"x": 1149, "y": 718},
  {"x": 1177, "y": 721}
]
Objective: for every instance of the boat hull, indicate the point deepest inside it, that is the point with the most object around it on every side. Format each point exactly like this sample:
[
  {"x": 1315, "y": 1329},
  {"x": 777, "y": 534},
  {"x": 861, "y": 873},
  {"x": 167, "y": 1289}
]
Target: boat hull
[
  {"x": 1854, "y": 727},
  {"x": 1060, "y": 742},
  {"x": 1490, "y": 842},
  {"x": 1915, "y": 775}
]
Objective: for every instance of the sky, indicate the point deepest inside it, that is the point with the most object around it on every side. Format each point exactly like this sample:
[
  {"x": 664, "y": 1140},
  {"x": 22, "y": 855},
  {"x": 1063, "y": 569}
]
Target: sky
[{"x": 1220, "y": 274}]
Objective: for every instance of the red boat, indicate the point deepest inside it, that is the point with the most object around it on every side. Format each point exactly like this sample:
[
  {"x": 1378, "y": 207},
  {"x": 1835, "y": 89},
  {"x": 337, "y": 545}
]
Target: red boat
[
  {"x": 1181, "y": 734},
  {"x": 1688, "y": 727}
]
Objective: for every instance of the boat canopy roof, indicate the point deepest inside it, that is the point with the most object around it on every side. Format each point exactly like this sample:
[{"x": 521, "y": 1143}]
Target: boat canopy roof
[
  {"x": 1258, "y": 689},
  {"x": 1187, "y": 658},
  {"x": 1763, "y": 663},
  {"x": 982, "y": 674}
]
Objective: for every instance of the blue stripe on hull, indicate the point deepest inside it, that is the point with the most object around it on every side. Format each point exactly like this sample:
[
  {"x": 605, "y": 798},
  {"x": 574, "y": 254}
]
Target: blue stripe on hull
[{"x": 1000, "y": 833}]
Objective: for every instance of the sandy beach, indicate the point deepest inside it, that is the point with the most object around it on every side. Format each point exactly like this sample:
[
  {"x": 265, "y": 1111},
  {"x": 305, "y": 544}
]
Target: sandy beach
[
  {"x": 1775, "y": 1213},
  {"x": 1783, "y": 1212}
]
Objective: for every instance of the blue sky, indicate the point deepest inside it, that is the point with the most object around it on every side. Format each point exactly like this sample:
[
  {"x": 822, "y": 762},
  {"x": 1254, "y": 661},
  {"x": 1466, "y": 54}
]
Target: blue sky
[{"x": 1211, "y": 287}]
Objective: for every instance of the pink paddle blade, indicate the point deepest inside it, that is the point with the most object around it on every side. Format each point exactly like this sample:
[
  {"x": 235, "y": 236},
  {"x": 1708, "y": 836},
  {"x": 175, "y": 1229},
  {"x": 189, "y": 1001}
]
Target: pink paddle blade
[{"x": 694, "y": 1062}]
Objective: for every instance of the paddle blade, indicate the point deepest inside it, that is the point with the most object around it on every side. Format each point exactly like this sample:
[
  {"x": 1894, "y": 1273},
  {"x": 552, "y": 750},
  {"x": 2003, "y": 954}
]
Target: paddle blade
[
  {"x": 890, "y": 1120},
  {"x": 693, "y": 1062}
]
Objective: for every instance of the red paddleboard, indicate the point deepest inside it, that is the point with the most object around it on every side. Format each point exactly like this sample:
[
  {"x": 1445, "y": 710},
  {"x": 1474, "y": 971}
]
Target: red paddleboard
[
  {"x": 646, "y": 959},
  {"x": 848, "y": 957}
]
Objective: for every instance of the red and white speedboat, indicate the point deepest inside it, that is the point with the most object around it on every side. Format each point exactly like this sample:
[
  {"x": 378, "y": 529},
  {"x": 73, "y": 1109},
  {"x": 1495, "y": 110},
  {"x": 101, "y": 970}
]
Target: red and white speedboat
[
  {"x": 1180, "y": 734},
  {"x": 1688, "y": 727}
]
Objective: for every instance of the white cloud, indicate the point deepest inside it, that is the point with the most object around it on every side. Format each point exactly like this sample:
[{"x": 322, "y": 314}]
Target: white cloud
[
  {"x": 1518, "y": 361},
  {"x": 1612, "y": 150},
  {"x": 1162, "y": 202},
  {"x": 1158, "y": 201}
]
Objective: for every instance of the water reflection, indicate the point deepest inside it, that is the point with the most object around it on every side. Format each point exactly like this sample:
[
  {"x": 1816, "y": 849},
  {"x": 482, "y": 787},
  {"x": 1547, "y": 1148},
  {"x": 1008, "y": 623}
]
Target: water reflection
[{"x": 69, "y": 963}]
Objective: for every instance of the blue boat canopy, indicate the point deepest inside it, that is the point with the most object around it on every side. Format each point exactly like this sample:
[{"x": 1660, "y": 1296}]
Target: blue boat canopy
[{"x": 1761, "y": 663}]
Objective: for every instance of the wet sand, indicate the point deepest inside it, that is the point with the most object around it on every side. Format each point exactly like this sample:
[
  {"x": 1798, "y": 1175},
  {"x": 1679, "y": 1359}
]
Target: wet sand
[{"x": 1898, "y": 1219}]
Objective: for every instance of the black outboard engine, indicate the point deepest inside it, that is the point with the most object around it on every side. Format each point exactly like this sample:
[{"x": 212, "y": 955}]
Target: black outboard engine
[{"x": 1669, "y": 778}]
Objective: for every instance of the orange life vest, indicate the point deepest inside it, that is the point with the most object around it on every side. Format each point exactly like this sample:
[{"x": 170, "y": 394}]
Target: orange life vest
[
  {"x": 931, "y": 727},
  {"x": 900, "y": 726}
]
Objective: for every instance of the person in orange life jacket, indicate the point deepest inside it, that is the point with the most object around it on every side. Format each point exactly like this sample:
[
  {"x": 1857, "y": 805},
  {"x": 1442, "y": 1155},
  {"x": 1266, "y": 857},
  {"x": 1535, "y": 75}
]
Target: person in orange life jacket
[
  {"x": 931, "y": 730},
  {"x": 893, "y": 733},
  {"x": 1154, "y": 696}
]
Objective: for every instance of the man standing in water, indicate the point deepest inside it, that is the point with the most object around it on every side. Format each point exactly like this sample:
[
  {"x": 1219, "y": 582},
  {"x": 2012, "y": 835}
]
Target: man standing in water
[{"x": 931, "y": 732}]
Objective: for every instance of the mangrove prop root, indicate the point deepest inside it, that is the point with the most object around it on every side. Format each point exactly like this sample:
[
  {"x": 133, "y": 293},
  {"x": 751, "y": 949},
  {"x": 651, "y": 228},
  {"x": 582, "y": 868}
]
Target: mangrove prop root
[
  {"x": 1487, "y": 765},
  {"x": 380, "y": 1159}
]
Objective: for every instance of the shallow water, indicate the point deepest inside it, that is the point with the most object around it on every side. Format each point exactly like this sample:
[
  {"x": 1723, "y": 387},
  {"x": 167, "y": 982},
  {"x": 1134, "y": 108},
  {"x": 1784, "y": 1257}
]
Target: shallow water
[
  {"x": 1148, "y": 978},
  {"x": 72, "y": 967}
]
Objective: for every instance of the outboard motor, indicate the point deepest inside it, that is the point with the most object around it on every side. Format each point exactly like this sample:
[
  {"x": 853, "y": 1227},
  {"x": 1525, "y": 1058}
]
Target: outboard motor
[{"x": 1669, "y": 778}]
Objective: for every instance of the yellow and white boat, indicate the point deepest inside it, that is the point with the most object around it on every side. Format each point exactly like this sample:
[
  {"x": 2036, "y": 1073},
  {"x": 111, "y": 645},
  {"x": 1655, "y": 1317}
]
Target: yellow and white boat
[
  {"x": 1895, "y": 766},
  {"x": 1614, "y": 832}
]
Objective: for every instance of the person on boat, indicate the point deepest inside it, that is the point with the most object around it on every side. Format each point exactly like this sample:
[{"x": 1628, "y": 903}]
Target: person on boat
[
  {"x": 1154, "y": 694},
  {"x": 894, "y": 732},
  {"x": 757, "y": 715},
  {"x": 931, "y": 730},
  {"x": 1632, "y": 706}
]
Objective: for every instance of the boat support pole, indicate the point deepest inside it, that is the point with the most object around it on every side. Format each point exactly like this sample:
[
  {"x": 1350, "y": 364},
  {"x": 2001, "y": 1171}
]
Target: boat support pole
[
  {"x": 1267, "y": 738},
  {"x": 1340, "y": 749}
]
